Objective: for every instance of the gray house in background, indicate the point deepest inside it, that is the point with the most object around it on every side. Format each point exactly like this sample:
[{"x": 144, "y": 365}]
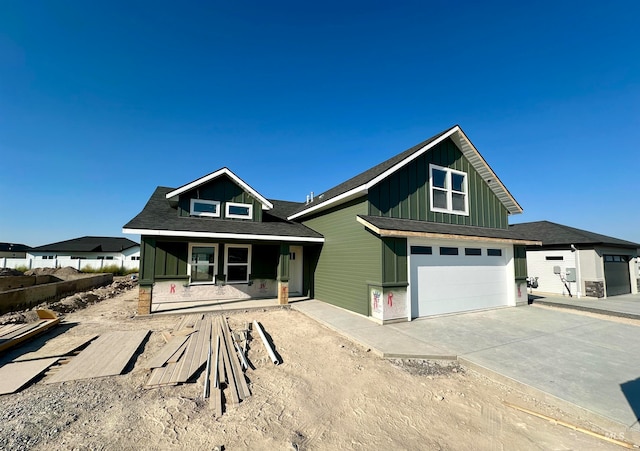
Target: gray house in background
[
  {"x": 117, "y": 249},
  {"x": 579, "y": 263},
  {"x": 13, "y": 250}
]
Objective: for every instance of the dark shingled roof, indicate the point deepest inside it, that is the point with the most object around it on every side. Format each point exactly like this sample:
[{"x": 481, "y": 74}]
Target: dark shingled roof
[
  {"x": 369, "y": 174},
  {"x": 13, "y": 247},
  {"x": 89, "y": 244},
  {"x": 552, "y": 234},
  {"x": 411, "y": 225},
  {"x": 159, "y": 215}
]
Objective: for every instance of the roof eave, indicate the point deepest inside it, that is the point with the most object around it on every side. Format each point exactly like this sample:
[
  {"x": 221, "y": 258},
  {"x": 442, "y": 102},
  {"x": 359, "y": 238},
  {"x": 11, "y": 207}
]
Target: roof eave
[
  {"x": 213, "y": 235},
  {"x": 432, "y": 235}
]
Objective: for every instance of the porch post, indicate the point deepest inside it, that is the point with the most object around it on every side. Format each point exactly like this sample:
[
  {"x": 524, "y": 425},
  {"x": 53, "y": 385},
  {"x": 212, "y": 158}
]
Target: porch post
[
  {"x": 146, "y": 274},
  {"x": 283, "y": 274}
]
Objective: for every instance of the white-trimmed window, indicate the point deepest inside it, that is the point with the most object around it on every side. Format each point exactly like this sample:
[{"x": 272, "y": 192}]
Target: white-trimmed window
[
  {"x": 238, "y": 211},
  {"x": 201, "y": 207},
  {"x": 202, "y": 263},
  {"x": 237, "y": 261},
  {"x": 448, "y": 190}
]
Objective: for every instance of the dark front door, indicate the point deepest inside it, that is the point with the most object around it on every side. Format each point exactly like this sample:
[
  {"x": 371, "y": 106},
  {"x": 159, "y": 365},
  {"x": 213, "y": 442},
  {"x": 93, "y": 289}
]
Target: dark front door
[{"x": 616, "y": 275}]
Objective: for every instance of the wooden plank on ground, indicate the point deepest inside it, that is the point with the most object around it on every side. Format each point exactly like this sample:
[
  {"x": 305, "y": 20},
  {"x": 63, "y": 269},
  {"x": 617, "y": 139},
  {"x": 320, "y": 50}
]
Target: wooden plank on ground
[
  {"x": 57, "y": 347},
  {"x": 15, "y": 375},
  {"x": 191, "y": 351},
  {"x": 196, "y": 355},
  {"x": 179, "y": 352},
  {"x": 231, "y": 380},
  {"x": 243, "y": 388},
  {"x": 107, "y": 356},
  {"x": 166, "y": 352},
  {"x": 32, "y": 329}
]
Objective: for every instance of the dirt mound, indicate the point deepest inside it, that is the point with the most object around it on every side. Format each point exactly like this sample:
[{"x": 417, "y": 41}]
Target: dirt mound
[
  {"x": 9, "y": 272},
  {"x": 61, "y": 273},
  {"x": 83, "y": 299}
]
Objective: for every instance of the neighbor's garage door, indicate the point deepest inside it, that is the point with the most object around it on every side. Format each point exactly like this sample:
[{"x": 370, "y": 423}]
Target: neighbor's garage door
[
  {"x": 616, "y": 275},
  {"x": 457, "y": 278}
]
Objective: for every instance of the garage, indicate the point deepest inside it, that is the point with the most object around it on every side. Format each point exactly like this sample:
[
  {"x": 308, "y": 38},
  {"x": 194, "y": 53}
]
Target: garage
[
  {"x": 616, "y": 275},
  {"x": 450, "y": 277}
]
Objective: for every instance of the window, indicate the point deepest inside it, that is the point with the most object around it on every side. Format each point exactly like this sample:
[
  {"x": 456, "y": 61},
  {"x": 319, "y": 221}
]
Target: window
[
  {"x": 239, "y": 211},
  {"x": 448, "y": 251},
  {"x": 202, "y": 262},
  {"x": 472, "y": 251},
  {"x": 494, "y": 252},
  {"x": 553, "y": 257},
  {"x": 137, "y": 257},
  {"x": 448, "y": 190},
  {"x": 421, "y": 250},
  {"x": 200, "y": 207},
  {"x": 237, "y": 263}
]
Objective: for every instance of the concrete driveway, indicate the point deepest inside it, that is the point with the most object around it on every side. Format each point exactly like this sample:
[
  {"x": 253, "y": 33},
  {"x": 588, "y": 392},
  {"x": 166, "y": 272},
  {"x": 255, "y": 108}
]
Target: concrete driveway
[{"x": 590, "y": 364}]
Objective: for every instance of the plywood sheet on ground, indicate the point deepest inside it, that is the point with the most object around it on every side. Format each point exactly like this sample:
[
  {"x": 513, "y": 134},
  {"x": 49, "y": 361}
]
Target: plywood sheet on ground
[
  {"x": 57, "y": 347},
  {"x": 15, "y": 375},
  {"x": 19, "y": 334},
  {"x": 107, "y": 356}
]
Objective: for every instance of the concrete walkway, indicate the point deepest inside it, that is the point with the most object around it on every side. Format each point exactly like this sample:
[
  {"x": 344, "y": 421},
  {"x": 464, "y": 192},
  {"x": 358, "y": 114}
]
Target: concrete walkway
[
  {"x": 624, "y": 306},
  {"x": 590, "y": 366}
]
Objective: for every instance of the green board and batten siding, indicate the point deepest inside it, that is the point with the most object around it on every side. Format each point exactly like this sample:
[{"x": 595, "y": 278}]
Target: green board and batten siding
[
  {"x": 351, "y": 257},
  {"x": 405, "y": 194},
  {"x": 222, "y": 189}
]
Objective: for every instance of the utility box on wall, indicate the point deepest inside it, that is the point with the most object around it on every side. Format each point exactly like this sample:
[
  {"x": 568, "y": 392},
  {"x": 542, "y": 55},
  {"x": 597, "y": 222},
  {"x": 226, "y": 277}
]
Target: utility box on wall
[{"x": 570, "y": 274}]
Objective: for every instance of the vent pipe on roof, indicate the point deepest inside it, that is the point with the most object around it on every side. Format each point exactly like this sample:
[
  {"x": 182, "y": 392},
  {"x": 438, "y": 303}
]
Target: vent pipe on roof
[
  {"x": 311, "y": 196},
  {"x": 307, "y": 199}
]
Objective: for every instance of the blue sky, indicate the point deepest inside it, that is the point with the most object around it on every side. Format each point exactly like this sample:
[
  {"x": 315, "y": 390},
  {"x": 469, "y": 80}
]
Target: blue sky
[{"x": 102, "y": 101}]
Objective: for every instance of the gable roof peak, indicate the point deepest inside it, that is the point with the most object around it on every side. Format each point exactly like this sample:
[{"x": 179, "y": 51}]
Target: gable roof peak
[
  {"x": 361, "y": 183},
  {"x": 266, "y": 205}
]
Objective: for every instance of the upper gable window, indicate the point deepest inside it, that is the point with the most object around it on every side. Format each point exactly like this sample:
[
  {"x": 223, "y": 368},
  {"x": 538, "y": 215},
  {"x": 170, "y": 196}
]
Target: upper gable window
[
  {"x": 238, "y": 211},
  {"x": 200, "y": 207},
  {"x": 448, "y": 190}
]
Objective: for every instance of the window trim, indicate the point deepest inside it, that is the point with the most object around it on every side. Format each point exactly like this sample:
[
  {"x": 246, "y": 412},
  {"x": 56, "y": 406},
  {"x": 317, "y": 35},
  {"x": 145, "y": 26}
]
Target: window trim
[
  {"x": 237, "y": 204},
  {"x": 204, "y": 201},
  {"x": 227, "y": 264},
  {"x": 215, "y": 263},
  {"x": 449, "y": 190}
]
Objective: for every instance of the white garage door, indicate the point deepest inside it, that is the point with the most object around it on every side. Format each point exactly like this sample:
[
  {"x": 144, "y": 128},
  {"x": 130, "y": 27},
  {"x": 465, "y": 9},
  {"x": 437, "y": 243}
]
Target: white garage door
[{"x": 456, "y": 278}]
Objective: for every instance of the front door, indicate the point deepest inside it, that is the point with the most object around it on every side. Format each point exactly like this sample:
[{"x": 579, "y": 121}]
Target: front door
[{"x": 295, "y": 270}]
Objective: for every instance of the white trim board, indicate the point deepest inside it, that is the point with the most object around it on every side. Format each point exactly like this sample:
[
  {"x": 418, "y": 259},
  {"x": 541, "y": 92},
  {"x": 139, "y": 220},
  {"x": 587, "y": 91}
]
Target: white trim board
[{"x": 234, "y": 236}]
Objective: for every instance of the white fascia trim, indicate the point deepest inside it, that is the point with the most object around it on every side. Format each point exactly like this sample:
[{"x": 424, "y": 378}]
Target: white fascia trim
[
  {"x": 224, "y": 236},
  {"x": 266, "y": 205},
  {"x": 501, "y": 191},
  {"x": 355, "y": 192},
  {"x": 365, "y": 187}
]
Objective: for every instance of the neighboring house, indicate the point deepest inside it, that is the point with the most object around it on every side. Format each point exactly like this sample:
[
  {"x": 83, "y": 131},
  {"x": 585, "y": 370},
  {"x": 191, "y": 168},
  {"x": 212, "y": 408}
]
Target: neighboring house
[
  {"x": 116, "y": 249},
  {"x": 423, "y": 233},
  {"x": 579, "y": 263},
  {"x": 13, "y": 250}
]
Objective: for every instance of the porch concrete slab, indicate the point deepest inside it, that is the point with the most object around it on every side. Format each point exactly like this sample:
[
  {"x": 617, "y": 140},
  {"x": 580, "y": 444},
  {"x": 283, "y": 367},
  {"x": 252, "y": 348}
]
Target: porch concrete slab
[
  {"x": 624, "y": 306},
  {"x": 584, "y": 362}
]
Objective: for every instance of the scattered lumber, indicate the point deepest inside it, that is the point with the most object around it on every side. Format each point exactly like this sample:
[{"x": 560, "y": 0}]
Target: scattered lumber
[
  {"x": 15, "y": 375},
  {"x": 166, "y": 353},
  {"x": 58, "y": 347},
  {"x": 13, "y": 335},
  {"x": 107, "y": 356}
]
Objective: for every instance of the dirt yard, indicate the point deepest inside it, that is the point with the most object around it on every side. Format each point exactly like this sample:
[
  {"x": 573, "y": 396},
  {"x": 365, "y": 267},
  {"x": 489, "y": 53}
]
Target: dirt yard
[{"x": 327, "y": 394}]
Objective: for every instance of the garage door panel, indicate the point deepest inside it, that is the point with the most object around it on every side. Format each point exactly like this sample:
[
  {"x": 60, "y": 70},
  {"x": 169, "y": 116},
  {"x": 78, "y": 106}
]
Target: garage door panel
[{"x": 443, "y": 284}]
